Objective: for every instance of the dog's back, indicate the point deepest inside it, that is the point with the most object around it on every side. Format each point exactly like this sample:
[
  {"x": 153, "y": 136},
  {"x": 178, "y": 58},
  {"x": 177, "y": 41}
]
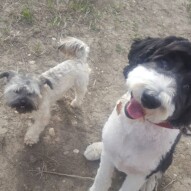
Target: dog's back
[{"x": 72, "y": 73}]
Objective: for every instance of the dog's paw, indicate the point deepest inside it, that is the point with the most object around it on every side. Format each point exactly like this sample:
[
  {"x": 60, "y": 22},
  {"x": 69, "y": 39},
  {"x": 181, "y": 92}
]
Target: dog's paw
[
  {"x": 93, "y": 151},
  {"x": 31, "y": 139}
]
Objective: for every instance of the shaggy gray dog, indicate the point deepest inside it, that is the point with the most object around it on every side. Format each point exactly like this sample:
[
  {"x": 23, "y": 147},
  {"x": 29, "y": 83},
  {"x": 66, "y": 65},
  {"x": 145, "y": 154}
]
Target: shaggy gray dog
[{"x": 36, "y": 94}]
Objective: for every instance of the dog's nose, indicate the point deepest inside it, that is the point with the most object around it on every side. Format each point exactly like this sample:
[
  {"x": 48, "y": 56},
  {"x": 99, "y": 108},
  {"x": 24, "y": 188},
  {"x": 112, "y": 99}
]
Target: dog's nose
[
  {"x": 150, "y": 101},
  {"x": 23, "y": 102}
]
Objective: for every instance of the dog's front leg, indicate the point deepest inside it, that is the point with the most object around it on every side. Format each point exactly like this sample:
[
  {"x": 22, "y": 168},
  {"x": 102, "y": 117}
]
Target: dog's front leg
[
  {"x": 133, "y": 183},
  {"x": 41, "y": 119},
  {"x": 104, "y": 174}
]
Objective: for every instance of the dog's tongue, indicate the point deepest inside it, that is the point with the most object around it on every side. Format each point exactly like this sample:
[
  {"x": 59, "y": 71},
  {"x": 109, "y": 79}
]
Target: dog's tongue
[{"x": 134, "y": 109}]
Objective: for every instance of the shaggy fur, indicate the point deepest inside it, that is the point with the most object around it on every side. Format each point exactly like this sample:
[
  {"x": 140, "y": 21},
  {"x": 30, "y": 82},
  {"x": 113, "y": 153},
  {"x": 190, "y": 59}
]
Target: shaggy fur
[
  {"x": 144, "y": 128},
  {"x": 28, "y": 93}
]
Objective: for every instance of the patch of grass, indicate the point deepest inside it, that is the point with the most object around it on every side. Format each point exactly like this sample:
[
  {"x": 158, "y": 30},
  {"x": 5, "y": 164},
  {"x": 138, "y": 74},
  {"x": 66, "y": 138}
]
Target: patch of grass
[
  {"x": 26, "y": 15},
  {"x": 94, "y": 26},
  {"x": 116, "y": 9},
  {"x": 6, "y": 31},
  {"x": 82, "y": 6},
  {"x": 50, "y": 3},
  {"x": 82, "y": 11},
  {"x": 135, "y": 29},
  {"x": 37, "y": 48},
  {"x": 57, "y": 20},
  {"x": 119, "y": 49},
  {"x": 94, "y": 21},
  {"x": 188, "y": 7}
]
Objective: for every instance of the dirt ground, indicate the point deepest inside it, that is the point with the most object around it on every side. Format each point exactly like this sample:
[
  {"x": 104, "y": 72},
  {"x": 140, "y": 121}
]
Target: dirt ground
[{"x": 29, "y": 30}]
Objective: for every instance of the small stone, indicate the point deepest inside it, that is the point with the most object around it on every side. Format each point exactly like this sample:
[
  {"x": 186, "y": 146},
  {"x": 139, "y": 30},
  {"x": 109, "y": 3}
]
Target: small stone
[
  {"x": 52, "y": 132},
  {"x": 182, "y": 156},
  {"x": 76, "y": 151},
  {"x": 57, "y": 139},
  {"x": 53, "y": 38},
  {"x": 57, "y": 118},
  {"x": 74, "y": 122},
  {"x": 2, "y": 130},
  {"x": 31, "y": 62},
  {"x": 66, "y": 152}
]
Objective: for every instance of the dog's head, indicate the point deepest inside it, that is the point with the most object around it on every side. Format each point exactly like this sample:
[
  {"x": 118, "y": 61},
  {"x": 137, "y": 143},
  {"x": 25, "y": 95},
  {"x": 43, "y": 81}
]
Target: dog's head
[
  {"x": 159, "y": 79},
  {"x": 23, "y": 92}
]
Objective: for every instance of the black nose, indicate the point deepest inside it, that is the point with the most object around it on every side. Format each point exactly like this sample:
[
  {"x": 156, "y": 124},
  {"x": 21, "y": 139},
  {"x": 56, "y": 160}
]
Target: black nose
[
  {"x": 23, "y": 102},
  {"x": 150, "y": 101}
]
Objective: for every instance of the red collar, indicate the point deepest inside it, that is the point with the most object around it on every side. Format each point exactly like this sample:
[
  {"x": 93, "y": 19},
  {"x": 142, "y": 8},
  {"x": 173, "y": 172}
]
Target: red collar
[{"x": 165, "y": 124}]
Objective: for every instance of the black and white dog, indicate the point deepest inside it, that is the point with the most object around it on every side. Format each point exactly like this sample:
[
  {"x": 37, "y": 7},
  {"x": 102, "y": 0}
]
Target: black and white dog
[{"x": 140, "y": 135}]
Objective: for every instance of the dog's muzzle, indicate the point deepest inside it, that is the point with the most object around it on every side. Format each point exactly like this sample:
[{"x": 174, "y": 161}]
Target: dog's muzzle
[
  {"x": 23, "y": 106},
  {"x": 133, "y": 109},
  {"x": 136, "y": 110}
]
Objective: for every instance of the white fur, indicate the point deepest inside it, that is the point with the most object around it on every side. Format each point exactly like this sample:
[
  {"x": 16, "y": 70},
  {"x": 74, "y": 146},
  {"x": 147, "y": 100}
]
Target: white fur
[
  {"x": 93, "y": 151},
  {"x": 72, "y": 73},
  {"x": 164, "y": 87},
  {"x": 134, "y": 147}
]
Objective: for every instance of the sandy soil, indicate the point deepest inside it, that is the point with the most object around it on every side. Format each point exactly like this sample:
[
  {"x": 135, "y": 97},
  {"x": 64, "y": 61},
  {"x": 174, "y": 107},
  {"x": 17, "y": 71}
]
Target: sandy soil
[{"x": 28, "y": 34}]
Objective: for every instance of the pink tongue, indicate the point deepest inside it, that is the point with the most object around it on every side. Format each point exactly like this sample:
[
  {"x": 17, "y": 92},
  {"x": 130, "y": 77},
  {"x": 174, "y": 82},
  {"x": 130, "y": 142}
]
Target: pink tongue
[{"x": 135, "y": 109}]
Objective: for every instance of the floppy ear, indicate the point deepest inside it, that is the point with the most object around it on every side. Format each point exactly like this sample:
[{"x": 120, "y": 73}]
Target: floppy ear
[
  {"x": 7, "y": 75},
  {"x": 45, "y": 80},
  {"x": 145, "y": 50},
  {"x": 140, "y": 51}
]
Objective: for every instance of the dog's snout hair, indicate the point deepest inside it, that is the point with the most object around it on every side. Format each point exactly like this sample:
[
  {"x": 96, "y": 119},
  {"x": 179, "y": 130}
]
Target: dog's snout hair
[{"x": 23, "y": 105}]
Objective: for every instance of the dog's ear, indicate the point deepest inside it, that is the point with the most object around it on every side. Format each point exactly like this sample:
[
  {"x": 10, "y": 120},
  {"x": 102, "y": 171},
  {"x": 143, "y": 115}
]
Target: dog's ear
[
  {"x": 7, "y": 75},
  {"x": 44, "y": 80},
  {"x": 143, "y": 50},
  {"x": 149, "y": 49},
  {"x": 140, "y": 51}
]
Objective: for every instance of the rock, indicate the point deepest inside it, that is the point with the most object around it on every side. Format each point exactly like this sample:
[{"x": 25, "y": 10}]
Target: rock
[
  {"x": 3, "y": 130},
  {"x": 76, "y": 151},
  {"x": 52, "y": 132}
]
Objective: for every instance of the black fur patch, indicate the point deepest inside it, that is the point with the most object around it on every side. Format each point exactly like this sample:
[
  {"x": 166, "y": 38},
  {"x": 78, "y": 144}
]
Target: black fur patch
[
  {"x": 166, "y": 161},
  {"x": 154, "y": 49}
]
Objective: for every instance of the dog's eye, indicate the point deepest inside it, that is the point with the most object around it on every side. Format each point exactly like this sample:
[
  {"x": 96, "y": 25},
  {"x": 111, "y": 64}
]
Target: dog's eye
[
  {"x": 29, "y": 94},
  {"x": 164, "y": 65},
  {"x": 16, "y": 91},
  {"x": 186, "y": 87}
]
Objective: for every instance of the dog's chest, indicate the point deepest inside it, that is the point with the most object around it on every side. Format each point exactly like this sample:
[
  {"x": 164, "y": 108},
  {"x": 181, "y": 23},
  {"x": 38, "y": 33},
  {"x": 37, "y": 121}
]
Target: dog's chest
[{"x": 136, "y": 147}]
